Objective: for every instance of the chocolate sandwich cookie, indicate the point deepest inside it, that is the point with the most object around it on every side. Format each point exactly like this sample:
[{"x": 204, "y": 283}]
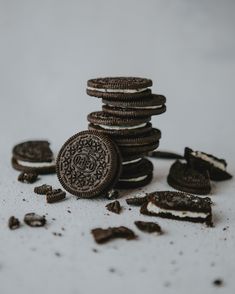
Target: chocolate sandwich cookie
[
  {"x": 150, "y": 137},
  {"x": 33, "y": 156},
  {"x": 139, "y": 149},
  {"x": 179, "y": 206},
  {"x": 88, "y": 164},
  {"x": 153, "y": 105},
  {"x": 184, "y": 178},
  {"x": 207, "y": 162},
  {"x": 122, "y": 132},
  {"x": 119, "y": 87},
  {"x": 116, "y": 126},
  {"x": 136, "y": 176}
]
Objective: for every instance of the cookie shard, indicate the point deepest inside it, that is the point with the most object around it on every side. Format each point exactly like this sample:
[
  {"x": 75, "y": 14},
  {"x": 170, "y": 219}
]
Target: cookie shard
[
  {"x": 137, "y": 201},
  {"x": 34, "y": 220},
  {"x": 28, "y": 177},
  {"x": 104, "y": 235},
  {"x": 149, "y": 227},
  {"x": 13, "y": 223},
  {"x": 43, "y": 189},
  {"x": 187, "y": 179},
  {"x": 204, "y": 161},
  {"x": 55, "y": 195},
  {"x": 114, "y": 207},
  {"x": 179, "y": 206}
]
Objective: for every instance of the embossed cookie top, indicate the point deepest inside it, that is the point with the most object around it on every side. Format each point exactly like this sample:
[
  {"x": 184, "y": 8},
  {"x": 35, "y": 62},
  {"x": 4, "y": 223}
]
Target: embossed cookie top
[
  {"x": 33, "y": 151},
  {"x": 119, "y": 83},
  {"x": 88, "y": 164}
]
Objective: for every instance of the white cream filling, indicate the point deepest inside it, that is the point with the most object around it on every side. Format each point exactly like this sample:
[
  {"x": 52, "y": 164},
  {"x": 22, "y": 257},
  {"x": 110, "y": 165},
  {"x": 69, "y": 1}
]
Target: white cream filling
[
  {"x": 35, "y": 164},
  {"x": 138, "y": 179},
  {"x": 122, "y": 127},
  {"x": 130, "y": 91},
  {"x": 205, "y": 157},
  {"x": 155, "y": 209},
  {"x": 131, "y": 161},
  {"x": 138, "y": 107}
]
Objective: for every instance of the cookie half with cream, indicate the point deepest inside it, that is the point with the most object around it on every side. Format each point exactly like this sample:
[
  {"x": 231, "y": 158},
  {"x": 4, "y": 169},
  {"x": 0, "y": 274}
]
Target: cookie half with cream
[
  {"x": 202, "y": 161},
  {"x": 33, "y": 156},
  {"x": 178, "y": 206}
]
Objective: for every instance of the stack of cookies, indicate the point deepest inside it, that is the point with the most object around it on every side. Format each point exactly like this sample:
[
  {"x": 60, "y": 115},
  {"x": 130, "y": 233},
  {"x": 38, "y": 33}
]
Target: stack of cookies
[{"x": 128, "y": 105}]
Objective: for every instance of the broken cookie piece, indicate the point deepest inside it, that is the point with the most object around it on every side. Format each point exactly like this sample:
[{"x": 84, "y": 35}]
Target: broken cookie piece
[
  {"x": 149, "y": 227},
  {"x": 136, "y": 201},
  {"x": 34, "y": 220},
  {"x": 114, "y": 207},
  {"x": 28, "y": 177},
  {"x": 13, "y": 223},
  {"x": 179, "y": 206},
  {"x": 104, "y": 235},
  {"x": 207, "y": 162},
  {"x": 55, "y": 195},
  {"x": 43, "y": 189}
]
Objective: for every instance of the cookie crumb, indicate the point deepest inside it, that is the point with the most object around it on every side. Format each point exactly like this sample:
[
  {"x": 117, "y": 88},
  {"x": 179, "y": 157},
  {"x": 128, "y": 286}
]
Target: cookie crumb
[{"x": 218, "y": 282}]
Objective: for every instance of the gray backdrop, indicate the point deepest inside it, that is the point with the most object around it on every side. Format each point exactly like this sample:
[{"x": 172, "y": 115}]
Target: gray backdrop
[{"x": 48, "y": 50}]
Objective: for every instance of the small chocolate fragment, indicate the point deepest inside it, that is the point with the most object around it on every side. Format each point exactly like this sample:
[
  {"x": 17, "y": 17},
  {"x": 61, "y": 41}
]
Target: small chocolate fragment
[
  {"x": 104, "y": 235},
  {"x": 28, "y": 177},
  {"x": 114, "y": 207},
  {"x": 165, "y": 155},
  {"x": 137, "y": 201},
  {"x": 43, "y": 189},
  {"x": 55, "y": 196},
  {"x": 149, "y": 227},
  {"x": 13, "y": 223},
  {"x": 112, "y": 194},
  {"x": 218, "y": 282},
  {"x": 34, "y": 220}
]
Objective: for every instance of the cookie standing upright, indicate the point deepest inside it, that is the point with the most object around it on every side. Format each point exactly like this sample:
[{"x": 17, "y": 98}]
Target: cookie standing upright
[
  {"x": 128, "y": 104},
  {"x": 88, "y": 164}
]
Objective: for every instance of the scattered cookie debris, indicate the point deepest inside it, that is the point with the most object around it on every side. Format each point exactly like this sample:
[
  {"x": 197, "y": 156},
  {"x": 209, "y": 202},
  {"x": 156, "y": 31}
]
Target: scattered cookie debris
[
  {"x": 43, "y": 189},
  {"x": 13, "y": 223},
  {"x": 114, "y": 207},
  {"x": 136, "y": 201},
  {"x": 55, "y": 195},
  {"x": 34, "y": 220},
  {"x": 149, "y": 227},
  {"x": 113, "y": 194},
  {"x": 218, "y": 282},
  {"x": 57, "y": 234},
  {"x": 104, "y": 235},
  {"x": 28, "y": 177}
]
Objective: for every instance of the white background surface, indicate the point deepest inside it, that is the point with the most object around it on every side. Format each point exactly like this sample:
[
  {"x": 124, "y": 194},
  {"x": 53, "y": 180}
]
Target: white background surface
[{"x": 48, "y": 49}]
